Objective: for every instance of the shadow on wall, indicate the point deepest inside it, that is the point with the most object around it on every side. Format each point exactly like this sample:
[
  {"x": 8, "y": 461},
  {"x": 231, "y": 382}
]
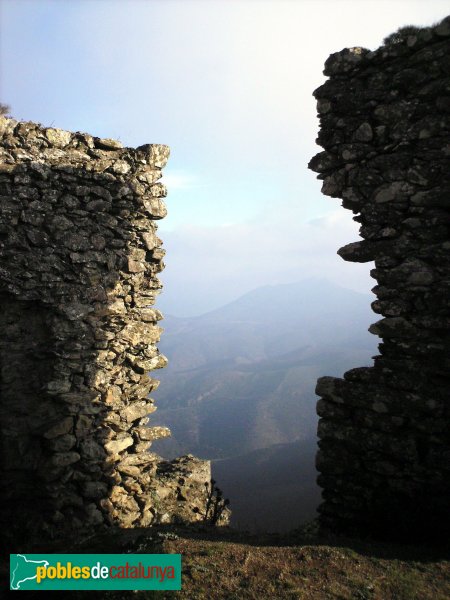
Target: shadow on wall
[{"x": 384, "y": 431}]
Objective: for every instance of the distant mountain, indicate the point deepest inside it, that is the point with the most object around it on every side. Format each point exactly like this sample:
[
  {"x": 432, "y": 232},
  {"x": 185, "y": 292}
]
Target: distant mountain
[
  {"x": 272, "y": 489},
  {"x": 242, "y": 377},
  {"x": 270, "y": 321}
]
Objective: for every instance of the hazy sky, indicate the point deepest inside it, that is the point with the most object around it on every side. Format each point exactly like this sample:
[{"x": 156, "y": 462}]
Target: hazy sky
[{"x": 227, "y": 85}]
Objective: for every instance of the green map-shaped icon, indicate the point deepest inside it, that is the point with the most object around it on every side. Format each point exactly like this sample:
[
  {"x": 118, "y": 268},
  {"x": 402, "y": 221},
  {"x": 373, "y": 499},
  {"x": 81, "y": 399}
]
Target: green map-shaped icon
[{"x": 23, "y": 569}]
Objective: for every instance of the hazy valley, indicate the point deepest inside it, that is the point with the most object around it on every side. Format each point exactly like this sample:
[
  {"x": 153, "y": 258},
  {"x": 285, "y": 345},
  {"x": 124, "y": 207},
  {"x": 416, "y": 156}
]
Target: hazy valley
[{"x": 239, "y": 389}]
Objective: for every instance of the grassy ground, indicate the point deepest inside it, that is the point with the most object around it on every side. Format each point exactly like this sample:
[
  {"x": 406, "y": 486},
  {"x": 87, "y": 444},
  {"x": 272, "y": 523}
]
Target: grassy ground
[
  {"x": 224, "y": 564},
  {"x": 305, "y": 572}
]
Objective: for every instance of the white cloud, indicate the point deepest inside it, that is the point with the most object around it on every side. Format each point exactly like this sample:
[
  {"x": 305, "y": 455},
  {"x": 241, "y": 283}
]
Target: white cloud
[
  {"x": 180, "y": 180},
  {"x": 227, "y": 84}
]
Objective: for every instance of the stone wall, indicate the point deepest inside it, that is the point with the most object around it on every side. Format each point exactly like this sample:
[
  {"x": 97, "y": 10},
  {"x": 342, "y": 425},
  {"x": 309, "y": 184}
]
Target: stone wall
[
  {"x": 384, "y": 434},
  {"x": 79, "y": 258}
]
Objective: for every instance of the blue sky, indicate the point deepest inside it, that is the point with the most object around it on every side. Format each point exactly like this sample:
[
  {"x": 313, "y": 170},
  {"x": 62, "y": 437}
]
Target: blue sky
[{"x": 227, "y": 85}]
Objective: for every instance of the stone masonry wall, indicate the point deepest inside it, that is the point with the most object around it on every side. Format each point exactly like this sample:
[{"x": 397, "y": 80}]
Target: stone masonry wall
[
  {"x": 79, "y": 258},
  {"x": 384, "y": 433}
]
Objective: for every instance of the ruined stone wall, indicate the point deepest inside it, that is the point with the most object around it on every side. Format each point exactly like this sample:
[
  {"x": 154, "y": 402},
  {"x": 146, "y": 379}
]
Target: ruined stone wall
[
  {"x": 384, "y": 434},
  {"x": 79, "y": 258}
]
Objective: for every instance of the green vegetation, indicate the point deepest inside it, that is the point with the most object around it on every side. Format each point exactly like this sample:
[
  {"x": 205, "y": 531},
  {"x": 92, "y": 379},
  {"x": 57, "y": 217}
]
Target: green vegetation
[
  {"x": 216, "y": 503},
  {"x": 401, "y": 34}
]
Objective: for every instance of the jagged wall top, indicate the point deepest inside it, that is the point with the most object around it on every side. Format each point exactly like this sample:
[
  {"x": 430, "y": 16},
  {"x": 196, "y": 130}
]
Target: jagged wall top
[{"x": 348, "y": 59}]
